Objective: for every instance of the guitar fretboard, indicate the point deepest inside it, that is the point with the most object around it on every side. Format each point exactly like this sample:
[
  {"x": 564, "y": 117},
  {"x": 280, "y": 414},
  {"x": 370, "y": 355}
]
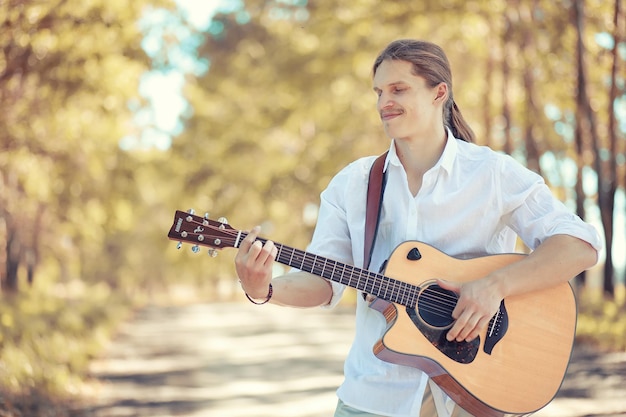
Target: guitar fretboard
[{"x": 370, "y": 282}]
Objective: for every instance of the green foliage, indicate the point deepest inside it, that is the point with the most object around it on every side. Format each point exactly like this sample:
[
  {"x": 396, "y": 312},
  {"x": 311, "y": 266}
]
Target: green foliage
[
  {"x": 602, "y": 322},
  {"x": 47, "y": 340}
]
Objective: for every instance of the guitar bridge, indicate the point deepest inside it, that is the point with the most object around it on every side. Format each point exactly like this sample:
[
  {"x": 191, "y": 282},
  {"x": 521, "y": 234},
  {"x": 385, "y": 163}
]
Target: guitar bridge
[{"x": 498, "y": 326}]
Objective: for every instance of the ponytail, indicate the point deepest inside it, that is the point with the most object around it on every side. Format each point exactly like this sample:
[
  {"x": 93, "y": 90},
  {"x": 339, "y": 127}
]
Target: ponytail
[{"x": 457, "y": 124}]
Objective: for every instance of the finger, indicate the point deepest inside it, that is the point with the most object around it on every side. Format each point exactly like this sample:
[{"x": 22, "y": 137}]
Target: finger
[
  {"x": 480, "y": 326},
  {"x": 271, "y": 250},
  {"x": 468, "y": 329},
  {"x": 262, "y": 254},
  {"x": 449, "y": 285},
  {"x": 456, "y": 328},
  {"x": 459, "y": 308},
  {"x": 451, "y": 335},
  {"x": 254, "y": 251},
  {"x": 250, "y": 239}
]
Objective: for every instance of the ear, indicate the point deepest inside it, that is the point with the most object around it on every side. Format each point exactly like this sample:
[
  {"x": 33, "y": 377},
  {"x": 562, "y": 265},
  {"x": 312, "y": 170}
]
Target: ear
[{"x": 441, "y": 92}]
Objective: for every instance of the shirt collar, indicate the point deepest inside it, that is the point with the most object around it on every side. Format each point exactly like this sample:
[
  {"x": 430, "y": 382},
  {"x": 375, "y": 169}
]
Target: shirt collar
[{"x": 446, "y": 161}]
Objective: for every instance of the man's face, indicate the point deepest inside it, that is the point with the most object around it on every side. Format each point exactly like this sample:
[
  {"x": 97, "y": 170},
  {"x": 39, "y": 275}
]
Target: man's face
[{"x": 406, "y": 104}]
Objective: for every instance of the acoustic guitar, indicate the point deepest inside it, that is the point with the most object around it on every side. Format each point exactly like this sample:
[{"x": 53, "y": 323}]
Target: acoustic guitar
[{"x": 515, "y": 367}]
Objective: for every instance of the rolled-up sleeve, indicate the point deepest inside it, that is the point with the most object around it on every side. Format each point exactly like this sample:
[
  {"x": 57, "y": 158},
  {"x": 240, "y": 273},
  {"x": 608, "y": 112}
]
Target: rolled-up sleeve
[{"x": 536, "y": 215}]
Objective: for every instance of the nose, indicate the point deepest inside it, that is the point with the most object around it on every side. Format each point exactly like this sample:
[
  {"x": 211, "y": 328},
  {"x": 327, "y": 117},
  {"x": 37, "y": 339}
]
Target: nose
[{"x": 384, "y": 101}]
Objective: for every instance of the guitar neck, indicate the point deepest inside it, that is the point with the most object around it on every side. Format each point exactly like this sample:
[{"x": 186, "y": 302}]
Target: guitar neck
[
  {"x": 201, "y": 231},
  {"x": 372, "y": 283}
]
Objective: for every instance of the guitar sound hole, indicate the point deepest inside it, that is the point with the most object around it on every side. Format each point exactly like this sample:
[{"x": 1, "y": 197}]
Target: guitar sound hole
[{"x": 435, "y": 306}]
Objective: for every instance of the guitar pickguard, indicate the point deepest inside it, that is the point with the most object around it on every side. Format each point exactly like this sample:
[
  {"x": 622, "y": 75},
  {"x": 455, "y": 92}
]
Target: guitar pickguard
[{"x": 462, "y": 352}]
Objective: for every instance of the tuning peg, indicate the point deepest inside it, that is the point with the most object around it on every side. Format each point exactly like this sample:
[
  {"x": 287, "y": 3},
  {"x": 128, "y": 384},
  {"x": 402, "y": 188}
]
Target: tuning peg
[
  {"x": 179, "y": 245},
  {"x": 212, "y": 253},
  {"x": 191, "y": 211},
  {"x": 195, "y": 248},
  {"x": 223, "y": 222}
]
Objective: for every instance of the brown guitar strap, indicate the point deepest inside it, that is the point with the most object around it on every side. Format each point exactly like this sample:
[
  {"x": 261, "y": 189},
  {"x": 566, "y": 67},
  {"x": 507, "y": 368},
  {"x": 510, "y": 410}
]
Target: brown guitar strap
[{"x": 375, "y": 190}]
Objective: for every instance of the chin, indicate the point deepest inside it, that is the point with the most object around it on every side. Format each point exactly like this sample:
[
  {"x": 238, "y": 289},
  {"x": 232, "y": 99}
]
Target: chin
[
  {"x": 391, "y": 132},
  {"x": 395, "y": 133}
]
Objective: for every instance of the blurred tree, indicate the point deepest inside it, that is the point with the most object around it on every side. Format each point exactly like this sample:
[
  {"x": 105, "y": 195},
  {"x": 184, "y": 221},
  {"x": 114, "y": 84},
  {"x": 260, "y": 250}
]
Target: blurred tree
[
  {"x": 607, "y": 170},
  {"x": 595, "y": 149},
  {"x": 67, "y": 72}
]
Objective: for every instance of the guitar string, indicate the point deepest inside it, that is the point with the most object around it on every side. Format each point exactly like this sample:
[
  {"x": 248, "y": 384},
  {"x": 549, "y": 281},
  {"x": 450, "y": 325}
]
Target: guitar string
[
  {"x": 431, "y": 304},
  {"x": 353, "y": 272},
  {"x": 408, "y": 298},
  {"x": 441, "y": 304}
]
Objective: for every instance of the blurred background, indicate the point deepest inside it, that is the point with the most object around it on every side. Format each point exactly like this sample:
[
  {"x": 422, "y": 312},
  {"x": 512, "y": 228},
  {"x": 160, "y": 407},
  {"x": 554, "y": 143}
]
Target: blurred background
[{"x": 114, "y": 114}]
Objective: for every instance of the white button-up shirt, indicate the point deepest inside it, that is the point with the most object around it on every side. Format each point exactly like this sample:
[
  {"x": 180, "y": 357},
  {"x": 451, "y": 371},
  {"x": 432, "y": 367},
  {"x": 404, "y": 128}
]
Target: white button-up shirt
[{"x": 473, "y": 202}]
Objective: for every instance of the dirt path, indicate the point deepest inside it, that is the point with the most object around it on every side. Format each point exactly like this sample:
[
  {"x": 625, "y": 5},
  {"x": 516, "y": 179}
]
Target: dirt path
[{"x": 241, "y": 360}]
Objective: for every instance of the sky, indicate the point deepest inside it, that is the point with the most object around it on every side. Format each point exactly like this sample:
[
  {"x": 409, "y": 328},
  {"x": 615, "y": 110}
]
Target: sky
[{"x": 162, "y": 87}]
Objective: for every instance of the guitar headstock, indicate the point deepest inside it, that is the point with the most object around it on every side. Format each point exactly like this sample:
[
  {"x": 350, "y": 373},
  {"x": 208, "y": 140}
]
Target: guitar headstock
[{"x": 202, "y": 231}]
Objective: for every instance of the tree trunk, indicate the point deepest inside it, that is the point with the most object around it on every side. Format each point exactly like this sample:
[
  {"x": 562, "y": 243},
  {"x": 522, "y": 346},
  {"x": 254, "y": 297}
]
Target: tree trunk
[
  {"x": 606, "y": 195},
  {"x": 507, "y": 45},
  {"x": 582, "y": 123},
  {"x": 13, "y": 255},
  {"x": 531, "y": 112},
  {"x": 489, "y": 72},
  {"x": 610, "y": 180}
]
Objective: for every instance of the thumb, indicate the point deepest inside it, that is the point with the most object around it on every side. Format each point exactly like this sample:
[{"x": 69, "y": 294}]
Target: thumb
[{"x": 449, "y": 285}]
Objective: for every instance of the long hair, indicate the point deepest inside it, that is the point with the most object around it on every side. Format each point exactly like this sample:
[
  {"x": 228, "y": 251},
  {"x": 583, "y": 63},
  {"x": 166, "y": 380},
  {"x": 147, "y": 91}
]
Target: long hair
[{"x": 430, "y": 62}]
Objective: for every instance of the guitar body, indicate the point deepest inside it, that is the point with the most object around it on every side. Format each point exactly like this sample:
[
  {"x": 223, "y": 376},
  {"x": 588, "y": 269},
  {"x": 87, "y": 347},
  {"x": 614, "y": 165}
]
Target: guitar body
[{"x": 523, "y": 370}]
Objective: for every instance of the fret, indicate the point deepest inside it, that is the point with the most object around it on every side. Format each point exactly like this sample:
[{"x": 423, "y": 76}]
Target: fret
[
  {"x": 341, "y": 275},
  {"x": 397, "y": 291},
  {"x": 382, "y": 290},
  {"x": 388, "y": 291},
  {"x": 302, "y": 264},
  {"x": 358, "y": 279},
  {"x": 280, "y": 256},
  {"x": 289, "y": 263},
  {"x": 409, "y": 296},
  {"x": 332, "y": 274},
  {"x": 313, "y": 265},
  {"x": 354, "y": 280},
  {"x": 313, "y": 260},
  {"x": 349, "y": 271},
  {"x": 296, "y": 259},
  {"x": 369, "y": 288}
]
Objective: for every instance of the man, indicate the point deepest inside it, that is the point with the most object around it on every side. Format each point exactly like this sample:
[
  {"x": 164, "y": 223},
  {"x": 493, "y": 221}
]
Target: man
[{"x": 442, "y": 190}]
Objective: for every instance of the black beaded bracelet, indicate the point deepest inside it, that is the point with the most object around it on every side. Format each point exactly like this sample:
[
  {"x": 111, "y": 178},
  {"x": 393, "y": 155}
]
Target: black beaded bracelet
[{"x": 269, "y": 295}]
